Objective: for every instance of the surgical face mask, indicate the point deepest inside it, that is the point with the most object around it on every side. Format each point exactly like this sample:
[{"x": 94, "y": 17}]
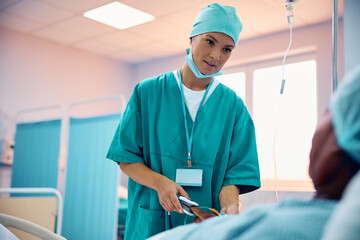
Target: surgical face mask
[{"x": 196, "y": 71}]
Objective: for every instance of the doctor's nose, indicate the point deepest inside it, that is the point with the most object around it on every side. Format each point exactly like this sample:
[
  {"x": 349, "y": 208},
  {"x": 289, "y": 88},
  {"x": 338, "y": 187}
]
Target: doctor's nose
[{"x": 215, "y": 54}]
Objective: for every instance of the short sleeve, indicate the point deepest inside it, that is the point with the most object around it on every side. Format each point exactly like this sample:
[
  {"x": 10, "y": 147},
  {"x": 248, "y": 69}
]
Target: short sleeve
[
  {"x": 126, "y": 145},
  {"x": 243, "y": 166}
]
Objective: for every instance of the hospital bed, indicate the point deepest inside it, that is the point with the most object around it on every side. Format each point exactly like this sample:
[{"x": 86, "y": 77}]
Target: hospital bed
[
  {"x": 33, "y": 195},
  {"x": 39, "y": 216},
  {"x": 14, "y": 222}
]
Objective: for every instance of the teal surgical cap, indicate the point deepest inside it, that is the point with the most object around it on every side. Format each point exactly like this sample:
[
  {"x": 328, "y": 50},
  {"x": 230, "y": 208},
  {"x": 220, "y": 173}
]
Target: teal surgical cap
[
  {"x": 345, "y": 112},
  {"x": 218, "y": 18}
]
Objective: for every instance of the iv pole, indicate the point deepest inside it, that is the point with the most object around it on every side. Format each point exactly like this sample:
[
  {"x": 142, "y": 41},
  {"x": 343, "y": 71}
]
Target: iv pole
[{"x": 334, "y": 45}]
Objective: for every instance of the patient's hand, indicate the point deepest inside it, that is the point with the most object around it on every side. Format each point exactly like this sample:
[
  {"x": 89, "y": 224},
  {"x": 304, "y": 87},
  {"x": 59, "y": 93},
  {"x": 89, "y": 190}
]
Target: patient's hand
[{"x": 200, "y": 214}]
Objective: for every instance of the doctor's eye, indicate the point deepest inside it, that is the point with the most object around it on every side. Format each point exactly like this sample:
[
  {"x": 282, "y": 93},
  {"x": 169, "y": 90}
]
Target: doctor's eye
[
  {"x": 227, "y": 50},
  {"x": 210, "y": 42}
]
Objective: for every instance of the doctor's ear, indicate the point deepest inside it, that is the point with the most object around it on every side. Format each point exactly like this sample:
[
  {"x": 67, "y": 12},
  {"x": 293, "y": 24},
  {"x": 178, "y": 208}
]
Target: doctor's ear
[{"x": 190, "y": 41}]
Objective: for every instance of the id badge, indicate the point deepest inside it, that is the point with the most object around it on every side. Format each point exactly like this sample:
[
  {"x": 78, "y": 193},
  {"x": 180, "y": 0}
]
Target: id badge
[{"x": 189, "y": 177}]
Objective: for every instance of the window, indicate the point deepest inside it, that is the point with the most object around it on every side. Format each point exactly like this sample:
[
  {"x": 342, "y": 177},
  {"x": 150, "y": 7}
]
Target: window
[
  {"x": 295, "y": 114},
  {"x": 235, "y": 81}
]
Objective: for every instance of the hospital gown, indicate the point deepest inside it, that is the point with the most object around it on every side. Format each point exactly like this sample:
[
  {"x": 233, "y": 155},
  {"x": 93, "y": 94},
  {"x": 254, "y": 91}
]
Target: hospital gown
[
  {"x": 152, "y": 131},
  {"x": 290, "y": 219}
]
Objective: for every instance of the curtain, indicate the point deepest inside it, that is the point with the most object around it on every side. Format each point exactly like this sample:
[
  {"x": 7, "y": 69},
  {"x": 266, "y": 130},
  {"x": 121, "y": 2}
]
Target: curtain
[
  {"x": 90, "y": 199},
  {"x": 36, "y": 154}
]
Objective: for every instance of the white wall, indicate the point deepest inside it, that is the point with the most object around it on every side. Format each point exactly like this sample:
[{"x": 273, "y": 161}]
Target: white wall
[
  {"x": 35, "y": 73},
  {"x": 155, "y": 67},
  {"x": 315, "y": 39}
]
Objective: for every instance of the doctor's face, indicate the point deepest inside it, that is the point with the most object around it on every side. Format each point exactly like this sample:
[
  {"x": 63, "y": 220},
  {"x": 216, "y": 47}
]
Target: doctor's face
[{"x": 211, "y": 51}]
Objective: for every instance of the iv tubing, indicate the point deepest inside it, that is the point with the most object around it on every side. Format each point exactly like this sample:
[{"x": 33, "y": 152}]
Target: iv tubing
[
  {"x": 287, "y": 50},
  {"x": 291, "y": 23}
]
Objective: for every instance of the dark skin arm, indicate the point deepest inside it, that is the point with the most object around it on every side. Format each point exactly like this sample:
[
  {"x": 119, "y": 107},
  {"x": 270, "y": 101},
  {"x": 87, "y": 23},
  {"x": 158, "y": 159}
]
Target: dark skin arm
[
  {"x": 200, "y": 214},
  {"x": 328, "y": 170}
]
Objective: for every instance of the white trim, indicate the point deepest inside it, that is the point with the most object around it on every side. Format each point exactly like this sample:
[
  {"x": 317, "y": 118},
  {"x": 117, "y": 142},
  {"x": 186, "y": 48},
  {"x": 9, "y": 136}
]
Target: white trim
[
  {"x": 44, "y": 108},
  {"x": 119, "y": 96}
]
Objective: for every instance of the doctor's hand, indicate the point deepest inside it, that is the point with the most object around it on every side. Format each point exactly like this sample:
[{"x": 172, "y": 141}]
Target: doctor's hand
[
  {"x": 167, "y": 191},
  {"x": 231, "y": 209}
]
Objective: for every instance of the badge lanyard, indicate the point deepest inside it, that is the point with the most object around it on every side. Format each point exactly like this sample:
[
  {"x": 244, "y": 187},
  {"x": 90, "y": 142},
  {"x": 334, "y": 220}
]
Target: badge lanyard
[{"x": 189, "y": 138}]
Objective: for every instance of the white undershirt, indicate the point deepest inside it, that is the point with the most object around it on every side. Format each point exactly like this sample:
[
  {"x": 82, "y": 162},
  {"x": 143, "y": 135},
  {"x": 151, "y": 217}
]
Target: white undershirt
[{"x": 193, "y": 98}]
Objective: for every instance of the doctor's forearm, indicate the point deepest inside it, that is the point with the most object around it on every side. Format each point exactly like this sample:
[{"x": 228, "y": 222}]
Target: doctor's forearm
[
  {"x": 229, "y": 199},
  {"x": 141, "y": 174}
]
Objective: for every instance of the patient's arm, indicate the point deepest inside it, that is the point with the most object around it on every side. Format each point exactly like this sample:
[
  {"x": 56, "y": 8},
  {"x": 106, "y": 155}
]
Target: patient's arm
[{"x": 200, "y": 214}]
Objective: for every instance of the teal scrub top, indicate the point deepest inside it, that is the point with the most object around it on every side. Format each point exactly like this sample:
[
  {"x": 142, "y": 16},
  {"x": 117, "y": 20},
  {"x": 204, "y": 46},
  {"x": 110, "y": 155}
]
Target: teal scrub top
[{"x": 152, "y": 131}]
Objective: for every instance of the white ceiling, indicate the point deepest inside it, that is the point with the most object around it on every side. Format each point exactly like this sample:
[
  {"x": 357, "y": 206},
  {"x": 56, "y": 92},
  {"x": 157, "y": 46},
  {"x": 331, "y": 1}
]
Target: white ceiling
[{"x": 61, "y": 21}]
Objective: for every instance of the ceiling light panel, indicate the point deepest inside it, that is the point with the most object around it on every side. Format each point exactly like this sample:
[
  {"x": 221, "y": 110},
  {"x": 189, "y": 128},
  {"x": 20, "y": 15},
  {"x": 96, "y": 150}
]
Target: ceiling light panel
[{"x": 119, "y": 15}]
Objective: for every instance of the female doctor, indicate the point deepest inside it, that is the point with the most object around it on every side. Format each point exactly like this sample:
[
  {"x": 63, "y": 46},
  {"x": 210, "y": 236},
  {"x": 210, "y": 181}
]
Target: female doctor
[{"x": 184, "y": 133}]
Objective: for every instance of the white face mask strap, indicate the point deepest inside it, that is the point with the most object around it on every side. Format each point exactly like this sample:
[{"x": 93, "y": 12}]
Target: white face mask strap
[{"x": 188, "y": 51}]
